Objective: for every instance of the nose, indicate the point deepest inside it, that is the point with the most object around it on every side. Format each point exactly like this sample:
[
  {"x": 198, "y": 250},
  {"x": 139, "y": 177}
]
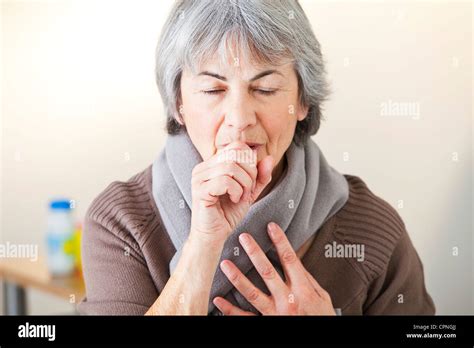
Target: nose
[{"x": 239, "y": 113}]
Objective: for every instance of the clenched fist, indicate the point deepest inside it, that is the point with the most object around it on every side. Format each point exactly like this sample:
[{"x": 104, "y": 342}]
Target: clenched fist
[{"x": 224, "y": 187}]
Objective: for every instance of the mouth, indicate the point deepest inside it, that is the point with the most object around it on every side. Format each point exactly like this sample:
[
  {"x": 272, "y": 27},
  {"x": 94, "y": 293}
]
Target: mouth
[{"x": 252, "y": 145}]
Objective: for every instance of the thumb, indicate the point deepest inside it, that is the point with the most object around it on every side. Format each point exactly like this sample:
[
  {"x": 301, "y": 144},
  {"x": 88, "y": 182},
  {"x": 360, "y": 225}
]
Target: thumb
[{"x": 264, "y": 176}]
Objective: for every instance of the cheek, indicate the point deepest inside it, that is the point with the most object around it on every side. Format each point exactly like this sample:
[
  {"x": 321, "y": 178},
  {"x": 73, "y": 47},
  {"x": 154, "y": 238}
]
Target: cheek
[
  {"x": 201, "y": 124},
  {"x": 279, "y": 122}
]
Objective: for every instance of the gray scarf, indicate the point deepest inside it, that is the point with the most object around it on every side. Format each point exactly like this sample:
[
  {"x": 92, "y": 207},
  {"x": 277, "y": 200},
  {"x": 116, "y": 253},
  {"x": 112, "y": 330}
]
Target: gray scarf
[{"x": 308, "y": 194}]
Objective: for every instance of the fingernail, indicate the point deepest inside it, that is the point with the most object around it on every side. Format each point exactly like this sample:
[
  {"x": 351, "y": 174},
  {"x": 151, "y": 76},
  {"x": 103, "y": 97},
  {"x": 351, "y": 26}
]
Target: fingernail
[
  {"x": 225, "y": 267},
  {"x": 244, "y": 239},
  {"x": 271, "y": 229}
]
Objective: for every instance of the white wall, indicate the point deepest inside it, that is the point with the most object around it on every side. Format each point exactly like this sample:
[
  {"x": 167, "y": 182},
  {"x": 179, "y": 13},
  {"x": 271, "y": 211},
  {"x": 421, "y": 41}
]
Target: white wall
[{"x": 80, "y": 109}]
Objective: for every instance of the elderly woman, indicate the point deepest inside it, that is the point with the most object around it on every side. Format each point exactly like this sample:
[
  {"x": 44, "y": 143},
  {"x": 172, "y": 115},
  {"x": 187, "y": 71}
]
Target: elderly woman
[{"x": 241, "y": 213}]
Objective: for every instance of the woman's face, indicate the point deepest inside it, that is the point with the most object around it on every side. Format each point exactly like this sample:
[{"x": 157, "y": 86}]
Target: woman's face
[{"x": 255, "y": 104}]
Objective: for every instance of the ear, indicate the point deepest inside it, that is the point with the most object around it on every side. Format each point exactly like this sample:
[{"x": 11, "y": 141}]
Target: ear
[
  {"x": 180, "y": 116},
  {"x": 302, "y": 113}
]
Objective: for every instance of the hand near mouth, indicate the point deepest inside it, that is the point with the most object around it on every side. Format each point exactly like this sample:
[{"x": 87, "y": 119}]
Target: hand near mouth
[{"x": 224, "y": 187}]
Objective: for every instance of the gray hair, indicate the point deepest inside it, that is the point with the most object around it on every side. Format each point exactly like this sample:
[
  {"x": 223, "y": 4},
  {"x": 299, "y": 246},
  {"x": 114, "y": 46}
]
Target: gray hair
[{"x": 270, "y": 31}]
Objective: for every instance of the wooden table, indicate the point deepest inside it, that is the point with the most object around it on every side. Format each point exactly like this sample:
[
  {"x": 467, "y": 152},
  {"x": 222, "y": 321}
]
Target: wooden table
[{"x": 20, "y": 274}]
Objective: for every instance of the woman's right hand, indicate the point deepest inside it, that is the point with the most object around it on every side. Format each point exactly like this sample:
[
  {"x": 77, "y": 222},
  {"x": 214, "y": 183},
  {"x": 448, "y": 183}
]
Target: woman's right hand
[
  {"x": 222, "y": 193},
  {"x": 223, "y": 190}
]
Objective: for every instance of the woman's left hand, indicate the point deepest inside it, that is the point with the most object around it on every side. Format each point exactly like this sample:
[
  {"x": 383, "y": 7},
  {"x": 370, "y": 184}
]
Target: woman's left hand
[{"x": 299, "y": 295}]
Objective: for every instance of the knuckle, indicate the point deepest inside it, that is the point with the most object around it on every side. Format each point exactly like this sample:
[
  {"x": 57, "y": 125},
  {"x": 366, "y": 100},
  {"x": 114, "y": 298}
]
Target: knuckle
[
  {"x": 308, "y": 293},
  {"x": 235, "y": 277},
  {"x": 267, "y": 309},
  {"x": 248, "y": 181},
  {"x": 268, "y": 272},
  {"x": 224, "y": 181},
  {"x": 225, "y": 310},
  {"x": 278, "y": 239},
  {"x": 253, "y": 295},
  {"x": 230, "y": 167},
  {"x": 292, "y": 309},
  {"x": 325, "y": 295},
  {"x": 289, "y": 256},
  {"x": 233, "y": 311},
  {"x": 195, "y": 181},
  {"x": 196, "y": 169},
  {"x": 227, "y": 180},
  {"x": 251, "y": 249}
]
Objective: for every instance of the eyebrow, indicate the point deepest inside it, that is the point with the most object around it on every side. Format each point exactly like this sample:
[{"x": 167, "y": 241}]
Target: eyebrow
[{"x": 256, "y": 77}]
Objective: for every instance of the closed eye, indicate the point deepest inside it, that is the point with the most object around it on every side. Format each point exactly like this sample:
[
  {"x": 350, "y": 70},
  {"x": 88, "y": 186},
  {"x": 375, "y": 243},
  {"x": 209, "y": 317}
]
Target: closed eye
[
  {"x": 214, "y": 91},
  {"x": 265, "y": 91}
]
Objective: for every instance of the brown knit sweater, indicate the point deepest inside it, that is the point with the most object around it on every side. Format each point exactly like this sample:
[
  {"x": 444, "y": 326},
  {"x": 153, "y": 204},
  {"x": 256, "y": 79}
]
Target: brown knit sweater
[{"x": 126, "y": 252}]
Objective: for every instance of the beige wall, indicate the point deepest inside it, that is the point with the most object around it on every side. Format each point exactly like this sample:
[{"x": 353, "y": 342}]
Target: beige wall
[{"x": 80, "y": 109}]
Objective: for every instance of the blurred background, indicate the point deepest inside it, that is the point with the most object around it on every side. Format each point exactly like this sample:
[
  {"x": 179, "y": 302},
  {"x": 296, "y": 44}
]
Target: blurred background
[{"x": 80, "y": 109}]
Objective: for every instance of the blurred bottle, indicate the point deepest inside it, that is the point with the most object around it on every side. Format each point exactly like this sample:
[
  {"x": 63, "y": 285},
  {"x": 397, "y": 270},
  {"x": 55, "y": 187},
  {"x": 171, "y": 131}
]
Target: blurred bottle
[
  {"x": 59, "y": 235},
  {"x": 76, "y": 247}
]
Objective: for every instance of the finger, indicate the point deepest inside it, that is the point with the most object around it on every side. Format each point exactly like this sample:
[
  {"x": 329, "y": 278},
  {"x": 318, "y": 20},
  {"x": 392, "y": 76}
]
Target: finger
[
  {"x": 232, "y": 170},
  {"x": 240, "y": 153},
  {"x": 249, "y": 291},
  {"x": 251, "y": 170},
  {"x": 232, "y": 150},
  {"x": 318, "y": 288},
  {"x": 265, "y": 167},
  {"x": 228, "y": 308},
  {"x": 292, "y": 266},
  {"x": 236, "y": 151},
  {"x": 264, "y": 267},
  {"x": 220, "y": 186}
]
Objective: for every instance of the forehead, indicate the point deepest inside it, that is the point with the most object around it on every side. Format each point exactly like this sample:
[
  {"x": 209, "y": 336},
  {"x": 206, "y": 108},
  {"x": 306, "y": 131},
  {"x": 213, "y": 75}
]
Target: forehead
[
  {"x": 235, "y": 67},
  {"x": 236, "y": 55}
]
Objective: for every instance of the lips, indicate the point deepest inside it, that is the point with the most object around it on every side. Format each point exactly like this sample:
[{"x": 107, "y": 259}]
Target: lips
[
  {"x": 252, "y": 145},
  {"x": 255, "y": 146}
]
